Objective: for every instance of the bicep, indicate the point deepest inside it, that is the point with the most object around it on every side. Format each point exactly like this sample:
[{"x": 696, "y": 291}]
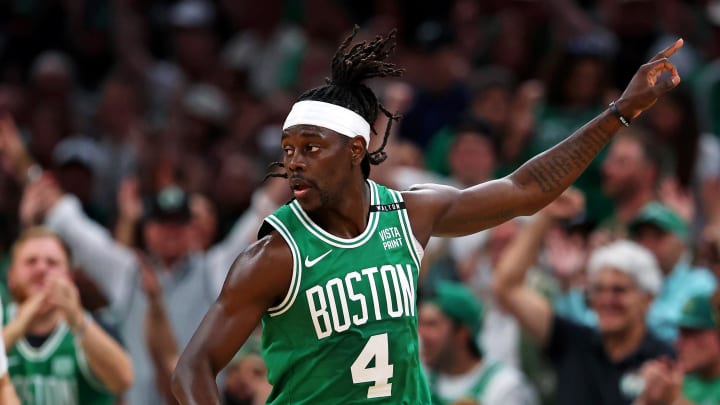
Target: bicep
[{"x": 437, "y": 210}]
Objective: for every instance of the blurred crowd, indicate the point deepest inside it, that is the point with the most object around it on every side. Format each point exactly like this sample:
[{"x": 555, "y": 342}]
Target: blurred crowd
[{"x": 135, "y": 137}]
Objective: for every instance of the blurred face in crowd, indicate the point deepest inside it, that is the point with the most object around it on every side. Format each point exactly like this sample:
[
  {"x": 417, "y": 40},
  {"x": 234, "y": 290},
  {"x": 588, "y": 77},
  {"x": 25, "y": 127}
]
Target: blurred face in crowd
[
  {"x": 618, "y": 301},
  {"x": 196, "y": 50},
  {"x": 168, "y": 239},
  {"x": 244, "y": 380},
  {"x": 665, "y": 246},
  {"x": 582, "y": 85},
  {"x": 439, "y": 337},
  {"x": 33, "y": 261},
  {"x": 118, "y": 108},
  {"x": 493, "y": 104},
  {"x": 204, "y": 221},
  {"x": 77, "y": 179},
  {"x": 472, "y": 158},
  {"x": 624, "y": 169},
  {"x": 699, "y": 351}
]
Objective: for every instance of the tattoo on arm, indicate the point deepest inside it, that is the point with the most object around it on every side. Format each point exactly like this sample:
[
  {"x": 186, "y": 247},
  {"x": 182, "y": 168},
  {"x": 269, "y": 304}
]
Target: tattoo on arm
[{"x": 557, "y": 168}]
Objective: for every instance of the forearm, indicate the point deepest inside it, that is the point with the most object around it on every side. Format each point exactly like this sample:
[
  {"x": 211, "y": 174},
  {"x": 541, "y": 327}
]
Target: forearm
[
  {"x": 124, "y": 232},
  {"x": 12, "y": 332},
  {"x": 529, "y": 307},
  {"x": 545, "y": 176},
  {"x": 193, "y": 382},
  {"x": 105, "y": 357},
  {"x": 7, "y": 392},
  {"x": 162, "y": 346},
  {"x": 521, "y": 253},
  {"x": 108, "y": 263}
]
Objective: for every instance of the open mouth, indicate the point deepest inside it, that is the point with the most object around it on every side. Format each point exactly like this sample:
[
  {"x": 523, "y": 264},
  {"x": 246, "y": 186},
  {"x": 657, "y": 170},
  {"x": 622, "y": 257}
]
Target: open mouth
[{"x": 299, "y": 187}]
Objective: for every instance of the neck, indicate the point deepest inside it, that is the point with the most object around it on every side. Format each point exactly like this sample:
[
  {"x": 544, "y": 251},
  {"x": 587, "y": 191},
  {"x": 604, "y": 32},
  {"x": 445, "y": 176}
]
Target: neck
[
  {"x": 462, "y": 365},
  {"x": 627, "y": 208},
  {"x": 349, "y": 216},
  {"x": 712, "y": 372},
  {"x": 619, "y": 345},
  {"x": 45, "y": 324}
]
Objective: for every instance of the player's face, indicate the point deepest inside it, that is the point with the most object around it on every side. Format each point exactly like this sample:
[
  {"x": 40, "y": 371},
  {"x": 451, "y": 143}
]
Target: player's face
[
  {"x": 34, "y": 260},
  {"x": 436, "y": 333},
  {"x": 618, "y": 301},
  {"x": 317, "y": 161},
  {"x": 698, "y": 349}
]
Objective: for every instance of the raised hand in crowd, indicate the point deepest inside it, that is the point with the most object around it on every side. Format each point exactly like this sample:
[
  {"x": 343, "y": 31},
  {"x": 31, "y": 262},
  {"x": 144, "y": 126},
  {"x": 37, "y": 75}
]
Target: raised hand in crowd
[
  {"x": 679, "y": 199},
  {"x": 63, "y": 294},
  {"x": 14, "y": 158},
  {"x": 38, "y": 197},
  {"x": 25, "y": 315},
  {"x": 662, "y": 383},
  {"x": 130, "y": 211}
]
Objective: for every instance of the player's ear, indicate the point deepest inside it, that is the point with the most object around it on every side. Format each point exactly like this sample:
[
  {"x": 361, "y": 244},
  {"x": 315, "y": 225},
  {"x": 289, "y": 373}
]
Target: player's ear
[{"x": 358, "y": 149}]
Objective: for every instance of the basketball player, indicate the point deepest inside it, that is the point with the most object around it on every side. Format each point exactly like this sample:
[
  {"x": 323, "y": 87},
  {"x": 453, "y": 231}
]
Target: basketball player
[{"x": 333, "y": 275}]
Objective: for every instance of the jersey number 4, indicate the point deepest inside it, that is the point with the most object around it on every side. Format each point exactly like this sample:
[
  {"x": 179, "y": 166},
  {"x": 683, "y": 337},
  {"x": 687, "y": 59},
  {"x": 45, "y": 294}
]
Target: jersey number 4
[{"x": 379, "y": 374}]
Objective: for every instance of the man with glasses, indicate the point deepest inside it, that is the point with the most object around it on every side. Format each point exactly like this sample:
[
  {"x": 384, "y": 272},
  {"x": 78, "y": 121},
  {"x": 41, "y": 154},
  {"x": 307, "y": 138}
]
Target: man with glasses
[{"x": 594, "y": 366}]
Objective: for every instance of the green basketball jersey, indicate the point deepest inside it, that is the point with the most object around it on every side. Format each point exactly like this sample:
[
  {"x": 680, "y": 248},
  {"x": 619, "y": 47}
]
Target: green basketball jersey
[
  {"x": 346, "y": 333},
  {"x": 56, "y": 373}
]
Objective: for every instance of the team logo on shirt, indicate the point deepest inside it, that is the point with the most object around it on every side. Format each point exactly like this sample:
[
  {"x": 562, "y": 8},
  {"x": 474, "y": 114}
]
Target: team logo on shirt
[{"x": 63, "y": 366}]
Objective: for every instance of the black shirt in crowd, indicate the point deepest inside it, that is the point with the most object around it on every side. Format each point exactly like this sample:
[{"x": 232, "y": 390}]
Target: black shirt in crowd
[{"x": 586, "y": 374}]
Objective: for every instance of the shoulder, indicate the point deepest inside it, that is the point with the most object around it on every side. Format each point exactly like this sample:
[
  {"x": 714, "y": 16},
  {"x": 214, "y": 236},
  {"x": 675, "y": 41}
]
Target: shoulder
[
  {"x": 653, "y": 347},
  {"x": 566, "y": 335},
  {"x": 508, "y": 385},
  {"x": 262, "y": 271}
]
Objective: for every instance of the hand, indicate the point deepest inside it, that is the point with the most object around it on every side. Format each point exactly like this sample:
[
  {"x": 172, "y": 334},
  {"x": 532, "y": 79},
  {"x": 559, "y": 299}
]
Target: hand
[
  {"x": 12, "y": 150},
  {"x": 28, "y": 310},
  {"x": 568, "y": 205},
  {"x": 566, "y": 255},
  {"x": 663, "y": 382},
  {"x": 63, "y": 294},
  {"x": 38, "y": 198},
  {"x": 680, "y": 200},
  {"x": 648, "y": 83},
  {"x": 148, "y": 278},
  {"x": 129, "y": 203}
]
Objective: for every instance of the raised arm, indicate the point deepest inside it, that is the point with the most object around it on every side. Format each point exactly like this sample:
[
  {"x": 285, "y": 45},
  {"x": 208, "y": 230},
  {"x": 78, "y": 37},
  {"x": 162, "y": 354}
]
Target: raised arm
[
  {"x": 528, "y": 306},
  {"x": 7, "y": 392},
  {"x": 258, "y": 279},
  {"x": 161, "y": 341},
  {"x": 446, "y": 211}
]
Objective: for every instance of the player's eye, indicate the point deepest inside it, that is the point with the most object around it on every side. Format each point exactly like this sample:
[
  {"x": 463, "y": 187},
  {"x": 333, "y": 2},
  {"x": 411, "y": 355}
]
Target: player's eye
[
  {"x": 288, "y": 151},
  {"x": 313, "y": 148}
]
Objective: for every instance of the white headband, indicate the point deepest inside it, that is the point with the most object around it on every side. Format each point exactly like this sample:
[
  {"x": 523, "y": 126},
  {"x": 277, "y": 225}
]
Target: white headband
[{"x": 330, "y": 116}]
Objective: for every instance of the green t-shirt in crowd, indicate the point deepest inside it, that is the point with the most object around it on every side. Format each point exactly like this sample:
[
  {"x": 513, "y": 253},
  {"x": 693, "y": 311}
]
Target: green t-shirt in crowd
[
  {"x": 701, "y": 392},
  {"x": 55, "y": 373}
]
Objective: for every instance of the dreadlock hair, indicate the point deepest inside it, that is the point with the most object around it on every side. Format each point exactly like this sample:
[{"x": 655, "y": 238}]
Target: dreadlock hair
[{"x": 345, "y": 88}]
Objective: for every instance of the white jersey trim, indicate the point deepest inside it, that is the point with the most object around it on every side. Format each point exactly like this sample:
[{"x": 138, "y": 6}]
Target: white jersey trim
[
  {"x": 416, "y": 250},
  {"x": 336, "y": 241},
  {"x": 297, "y": 268}
]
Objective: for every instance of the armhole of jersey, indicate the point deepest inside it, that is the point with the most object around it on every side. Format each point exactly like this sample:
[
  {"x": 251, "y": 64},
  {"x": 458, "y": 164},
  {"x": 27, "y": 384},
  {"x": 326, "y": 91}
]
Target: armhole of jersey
[
  {"x": 289, "y": 299},
  {"x": 91, "y": 378},
  {"x": 415, "y": 248}
]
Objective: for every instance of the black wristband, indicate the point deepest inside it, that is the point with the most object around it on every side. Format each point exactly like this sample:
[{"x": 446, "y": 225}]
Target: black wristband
[{"x": 619, "y": 116}]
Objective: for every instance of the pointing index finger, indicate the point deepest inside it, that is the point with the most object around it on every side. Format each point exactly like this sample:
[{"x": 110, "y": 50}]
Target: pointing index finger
[{"x": 669, "y": 51}]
